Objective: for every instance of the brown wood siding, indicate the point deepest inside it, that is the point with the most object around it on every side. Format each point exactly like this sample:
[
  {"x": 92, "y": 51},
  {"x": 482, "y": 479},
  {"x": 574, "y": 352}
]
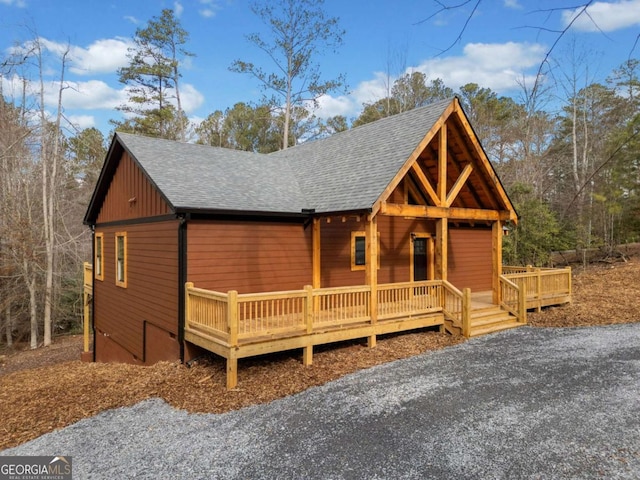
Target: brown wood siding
[
  {"x": 152, "y": 285},
  {"x": 470, "y": 261},
  {"x": 248, "y": 256},
  {"x": 131, "y": 195},
  {"x": 395, "y": 246},
  {"x": 335, "y": 253},
  {"x": 395, "y": 238}
]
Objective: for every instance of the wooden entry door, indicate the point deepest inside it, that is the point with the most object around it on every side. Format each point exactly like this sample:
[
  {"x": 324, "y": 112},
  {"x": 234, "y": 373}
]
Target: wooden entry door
[{"x": 422, "y": 259}]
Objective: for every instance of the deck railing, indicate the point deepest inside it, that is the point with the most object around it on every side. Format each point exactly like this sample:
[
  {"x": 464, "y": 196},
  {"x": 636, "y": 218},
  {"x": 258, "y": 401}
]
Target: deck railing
[
  {"x": 212, "y": 311},
  {"x": 542, "y": 286},
  {"x": 232, "y": 317},
  {"x": 337, "y": 307},
  {"x": 409, "y": 299}
]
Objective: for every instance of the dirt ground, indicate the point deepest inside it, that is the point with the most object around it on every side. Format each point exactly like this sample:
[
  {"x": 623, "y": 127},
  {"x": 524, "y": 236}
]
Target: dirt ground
[{"x": 49, "y": 388}]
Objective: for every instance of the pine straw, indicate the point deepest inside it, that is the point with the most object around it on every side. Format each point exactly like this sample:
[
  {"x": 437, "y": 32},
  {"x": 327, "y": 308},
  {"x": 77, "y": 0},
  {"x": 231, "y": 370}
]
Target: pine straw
[
  {"x": 37, "y": 401},
  {"x": 605, "y": 294},
  {"x": 41, "y": 399}
]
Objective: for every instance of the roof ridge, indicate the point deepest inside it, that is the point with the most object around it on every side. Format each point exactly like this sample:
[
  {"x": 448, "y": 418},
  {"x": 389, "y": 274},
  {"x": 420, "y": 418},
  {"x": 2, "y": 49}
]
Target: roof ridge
[{"x": 190, "y": 144}]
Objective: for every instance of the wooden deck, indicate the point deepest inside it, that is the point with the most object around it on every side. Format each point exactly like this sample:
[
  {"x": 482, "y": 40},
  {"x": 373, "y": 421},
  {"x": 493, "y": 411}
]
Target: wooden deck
[
  {"x": 543, "y": 287},
  {"x": 237, "y": 326}
]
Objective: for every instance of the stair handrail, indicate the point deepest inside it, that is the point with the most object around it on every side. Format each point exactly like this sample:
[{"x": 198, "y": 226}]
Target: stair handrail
[
  {"x": 456, "y": 306},
  {"x": 513, "y": 298}
]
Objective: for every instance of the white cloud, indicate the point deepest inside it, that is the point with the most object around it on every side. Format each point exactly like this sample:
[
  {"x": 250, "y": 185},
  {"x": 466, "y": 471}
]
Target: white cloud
[
  {"x": 603, "y": 16},
  {"x": 207, "y": 13},
  {"x": 96, "y": 94},
  {"x": 372, "y": 90},
  {"x": 93, "y": 94},
  {"x": 178, "y": 8},
  {"x": 512, "y": 4},
  {"x": 498, "y": 66},
  {"x": 102, "y": 56},
  {"x": 329, "y": 106},
  {"x": 190, "y": 98},
  {"x": 17, "y": 3},
  {"x": 209, "y": 8},
  {"x": 132, "y": 19},
  {"x": 82, "y": 121}
]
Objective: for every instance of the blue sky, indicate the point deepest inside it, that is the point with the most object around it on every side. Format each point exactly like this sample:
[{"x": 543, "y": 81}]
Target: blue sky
[{"x": 503, "y": 43}]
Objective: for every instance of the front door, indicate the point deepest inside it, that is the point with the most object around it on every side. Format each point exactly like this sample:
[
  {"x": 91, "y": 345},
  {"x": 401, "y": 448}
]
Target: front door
[
  {"x": 419, "y": 259},
  {"x": 422, "y": 257}
]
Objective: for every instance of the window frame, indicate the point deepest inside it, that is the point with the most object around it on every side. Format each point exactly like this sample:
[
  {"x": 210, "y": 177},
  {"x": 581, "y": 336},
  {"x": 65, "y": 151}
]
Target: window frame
[
  {"x": 121, "y": 281},
  {"x": 354, "y": 265},
  {"x": 354, "y": 236},
  {"x": 98, "y": 256}
]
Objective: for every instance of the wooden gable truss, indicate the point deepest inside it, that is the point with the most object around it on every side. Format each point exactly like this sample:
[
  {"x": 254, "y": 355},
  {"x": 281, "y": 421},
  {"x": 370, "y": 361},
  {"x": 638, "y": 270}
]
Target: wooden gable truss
[{"x": 449, "y": 178}]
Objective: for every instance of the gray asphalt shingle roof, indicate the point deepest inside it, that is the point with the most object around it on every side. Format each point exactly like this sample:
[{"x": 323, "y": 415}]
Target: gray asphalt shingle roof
[
  {"x": 202, "y": 177},
  {"x": 345, "y": 172}
]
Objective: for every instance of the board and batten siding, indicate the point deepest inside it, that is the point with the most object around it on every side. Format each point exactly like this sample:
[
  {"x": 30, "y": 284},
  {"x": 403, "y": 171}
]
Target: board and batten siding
[
  {"x": 131, "y": 195},
  {"x": 469, "y": 259},
  {"x": 148, "y": 305},
  {"x": 248, "y": 256}
]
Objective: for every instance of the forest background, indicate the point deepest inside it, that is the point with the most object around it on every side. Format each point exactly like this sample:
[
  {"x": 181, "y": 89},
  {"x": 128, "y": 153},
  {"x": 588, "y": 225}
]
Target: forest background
[{"x": 566, "y": 146}]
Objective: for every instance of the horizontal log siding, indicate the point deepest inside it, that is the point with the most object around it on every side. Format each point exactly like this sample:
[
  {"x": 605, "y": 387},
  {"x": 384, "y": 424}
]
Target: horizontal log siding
[
  {"x": 130, "y": 195},
  {"x": 248, "y": 257},
  {"x": 152, "y": 285},
  {"x": 395, "y": 237},
  {"x": 395, "y": 246},
  {"x": 470, "y": 261},
  {"x": 335, "y": 253}
]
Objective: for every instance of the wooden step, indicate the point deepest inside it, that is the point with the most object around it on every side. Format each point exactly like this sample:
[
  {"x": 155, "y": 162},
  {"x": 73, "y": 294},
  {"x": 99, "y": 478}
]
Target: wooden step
[
  {"x": 491, "y": 319},
  {"x": 495, "y": 327},
  {"x": 486, "y": 320}
]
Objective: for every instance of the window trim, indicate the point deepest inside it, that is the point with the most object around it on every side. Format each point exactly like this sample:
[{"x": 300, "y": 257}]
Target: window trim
[
  {"x": 98, "y": 260},
  {"x": 361, "y": 234},
  {"x": 121, "y": 282},
  {"x": 354, "y": 237}
]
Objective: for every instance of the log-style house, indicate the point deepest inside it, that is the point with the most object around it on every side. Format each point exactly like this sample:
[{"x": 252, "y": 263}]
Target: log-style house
[{"x": 391, "y": 226}]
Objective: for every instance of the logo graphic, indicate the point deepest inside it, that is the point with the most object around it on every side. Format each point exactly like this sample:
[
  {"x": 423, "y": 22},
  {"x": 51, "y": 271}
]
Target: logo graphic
[{"x": 36, "y": 468}]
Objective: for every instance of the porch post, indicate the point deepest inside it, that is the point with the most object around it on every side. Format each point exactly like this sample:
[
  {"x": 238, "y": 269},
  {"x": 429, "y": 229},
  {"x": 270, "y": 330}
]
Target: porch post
[
  {"x": 496, "y": 251},
  {"x": 315, "y": 242},
  {"x": 371, "y": 273},
  {"x": 442, "y": 235}
]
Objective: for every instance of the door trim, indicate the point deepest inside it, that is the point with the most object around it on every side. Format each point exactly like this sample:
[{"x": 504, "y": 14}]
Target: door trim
[{"x": 430, "y": 255}]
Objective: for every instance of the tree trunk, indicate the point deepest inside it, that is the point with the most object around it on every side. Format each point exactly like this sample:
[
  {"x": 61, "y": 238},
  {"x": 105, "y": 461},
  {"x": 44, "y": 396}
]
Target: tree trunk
[
  {"x": 30, "y": 281},
  {"x": 49, "y": 174},
  {"x": 8, "y": 326},
  {"x": 176, "y": 77}
]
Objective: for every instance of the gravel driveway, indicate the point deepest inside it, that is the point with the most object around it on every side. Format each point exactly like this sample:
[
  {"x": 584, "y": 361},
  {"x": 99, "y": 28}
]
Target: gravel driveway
[{"x": 525, "y": 403}]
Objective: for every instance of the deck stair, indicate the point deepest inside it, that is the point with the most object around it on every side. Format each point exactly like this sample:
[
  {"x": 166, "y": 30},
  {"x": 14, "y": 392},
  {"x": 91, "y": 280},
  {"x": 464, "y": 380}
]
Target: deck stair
[{"x": 490, "y": 319}]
